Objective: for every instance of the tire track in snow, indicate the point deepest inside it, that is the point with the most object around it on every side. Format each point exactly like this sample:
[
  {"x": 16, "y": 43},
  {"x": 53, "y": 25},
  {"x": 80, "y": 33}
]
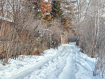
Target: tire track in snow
[
  {"x": 69, "y": 69},
  {"x": 57, "y": 68},
  {"x": 22, "y": 74},
  {"x": 59, "y": 61},
  {"x": 53, "y": 69}
]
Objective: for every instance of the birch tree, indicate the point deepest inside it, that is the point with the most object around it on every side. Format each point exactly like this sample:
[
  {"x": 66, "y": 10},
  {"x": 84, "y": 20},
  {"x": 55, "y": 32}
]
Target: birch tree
[{"x": 92, "y": 34}]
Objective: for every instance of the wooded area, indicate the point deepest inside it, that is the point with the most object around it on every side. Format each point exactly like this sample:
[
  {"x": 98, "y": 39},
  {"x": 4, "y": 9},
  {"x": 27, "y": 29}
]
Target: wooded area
[{"x": 36, "y": 25}]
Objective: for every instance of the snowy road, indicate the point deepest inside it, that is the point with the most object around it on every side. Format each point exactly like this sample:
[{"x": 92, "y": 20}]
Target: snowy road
[
  {"x": 56, "y": 66},
  {"x": 66, "y": 62}
]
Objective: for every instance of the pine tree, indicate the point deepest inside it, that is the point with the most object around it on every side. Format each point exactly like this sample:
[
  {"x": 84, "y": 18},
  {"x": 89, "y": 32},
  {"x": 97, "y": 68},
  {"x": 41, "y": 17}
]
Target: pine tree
[
  {"x": 67, "y": 19},
  {"x": 36, "y": 9},
  {"x": 69, "y": 13},
  {"x": 56, "y": 9}
]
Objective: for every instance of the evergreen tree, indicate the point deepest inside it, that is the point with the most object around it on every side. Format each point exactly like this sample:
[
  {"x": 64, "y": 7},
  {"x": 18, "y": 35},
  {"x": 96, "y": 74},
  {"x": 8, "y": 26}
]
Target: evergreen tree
[
  {"x": 69, "y": 13},
  {"x": 56, "y": 9},
  {"x": 36, "y": 9}
]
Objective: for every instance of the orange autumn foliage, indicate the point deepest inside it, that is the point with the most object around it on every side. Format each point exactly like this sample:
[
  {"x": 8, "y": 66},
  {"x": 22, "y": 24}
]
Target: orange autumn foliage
[
  {"x": 66, "y": 27},
  {"x": 49, "y": 17},
  {"x": 50, "y": 9},
  {"x": 41, "y": 4},
  {"x": 44, "y": 16},
  {"x": 45, "y": 8}
]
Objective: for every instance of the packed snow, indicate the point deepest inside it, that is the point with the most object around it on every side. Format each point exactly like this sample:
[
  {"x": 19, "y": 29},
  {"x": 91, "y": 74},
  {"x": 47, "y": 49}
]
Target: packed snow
[{"x": 64, "y": 62}]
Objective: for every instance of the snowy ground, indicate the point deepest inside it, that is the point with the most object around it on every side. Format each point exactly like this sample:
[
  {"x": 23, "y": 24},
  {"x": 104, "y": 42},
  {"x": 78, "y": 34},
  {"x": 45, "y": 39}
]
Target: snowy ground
[{"x": 65, "y": 62}]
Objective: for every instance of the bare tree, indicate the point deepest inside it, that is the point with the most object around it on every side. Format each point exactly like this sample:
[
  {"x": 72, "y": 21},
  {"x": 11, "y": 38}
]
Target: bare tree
[
  {"x": 91, "y": 28},
  {"x": 2, "y": 6}
]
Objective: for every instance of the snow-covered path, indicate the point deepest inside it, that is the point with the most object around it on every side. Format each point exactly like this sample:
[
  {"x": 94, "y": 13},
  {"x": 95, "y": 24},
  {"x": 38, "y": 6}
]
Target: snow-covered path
[
  {"x": 56, "y": 66},
  {"x": 66, "y": 62}
]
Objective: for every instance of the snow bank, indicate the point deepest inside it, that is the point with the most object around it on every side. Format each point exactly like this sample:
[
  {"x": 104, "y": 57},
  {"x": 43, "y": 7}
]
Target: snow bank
[
  {"x": 65, "y": 62},
  {"x": 85, "y": 66}
]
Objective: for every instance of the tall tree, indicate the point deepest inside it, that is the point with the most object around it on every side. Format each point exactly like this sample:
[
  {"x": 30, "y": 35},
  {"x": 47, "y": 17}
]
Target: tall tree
[
  {"x": 69, "y": 14},
  {"x": 56, "y": 9}
]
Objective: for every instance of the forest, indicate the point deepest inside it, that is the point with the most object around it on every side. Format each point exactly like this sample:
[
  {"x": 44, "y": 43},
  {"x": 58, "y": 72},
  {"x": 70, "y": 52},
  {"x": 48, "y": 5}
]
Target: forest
[{"x": 28, "y": 27}]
